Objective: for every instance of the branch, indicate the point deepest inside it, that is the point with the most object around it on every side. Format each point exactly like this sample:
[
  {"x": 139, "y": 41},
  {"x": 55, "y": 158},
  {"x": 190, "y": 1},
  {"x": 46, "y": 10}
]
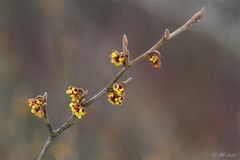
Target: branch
[
  {"x": 47, "y": 144},
  {"x": 194, "y": 20},
  {"x": 66, "y": 125},
  {"x": 46, "y": 119},
  {"x": 49, "y": 127},
  {"x": 166, "y": 36}
]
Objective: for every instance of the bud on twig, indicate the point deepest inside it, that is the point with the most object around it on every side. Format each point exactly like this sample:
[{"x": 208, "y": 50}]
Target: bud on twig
[
  {"x": 124, "y": 43},
  {"x": 125, "y": 49},
  {"x": 166, "y": 34}
]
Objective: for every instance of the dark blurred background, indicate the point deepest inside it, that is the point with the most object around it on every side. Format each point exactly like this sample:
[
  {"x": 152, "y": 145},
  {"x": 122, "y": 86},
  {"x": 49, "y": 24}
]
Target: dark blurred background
[{"x": 188, "y": 109}]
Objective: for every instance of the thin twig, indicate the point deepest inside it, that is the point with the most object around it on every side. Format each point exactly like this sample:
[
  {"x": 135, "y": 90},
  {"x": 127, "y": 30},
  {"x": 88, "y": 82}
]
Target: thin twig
[
  {"x": 194, "y": 20},
  {"x": 47, "y": 144},
  {"x": 166, "y": 36},
  {"x": 54, "y": 134},
  {"x": 66, "y": 125},
  {"x": 49, "y": 127},
  {"x": 127, "y": 81},
  {"x": 46, "y": 118}
]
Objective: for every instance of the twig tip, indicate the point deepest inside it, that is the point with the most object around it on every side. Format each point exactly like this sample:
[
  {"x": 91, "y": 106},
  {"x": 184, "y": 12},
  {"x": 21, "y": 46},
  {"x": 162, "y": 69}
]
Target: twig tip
[
  {"x": 45, "y": 95},
  {"x": 203, "y": 9},
  {"x": 128, "y": 80}
]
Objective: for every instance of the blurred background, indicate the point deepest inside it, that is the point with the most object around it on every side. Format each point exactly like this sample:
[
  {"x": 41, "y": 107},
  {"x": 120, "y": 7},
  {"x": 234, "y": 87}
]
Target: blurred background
[{"x": 188, "y": 109}]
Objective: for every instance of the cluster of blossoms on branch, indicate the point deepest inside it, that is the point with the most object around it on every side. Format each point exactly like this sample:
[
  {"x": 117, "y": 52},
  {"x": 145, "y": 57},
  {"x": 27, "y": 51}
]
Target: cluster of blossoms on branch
[
  {"x": 115, "y": 93},
  {"x": 77, "y": 98},
  {"x": 38, "y": 105},
  {"x": 121, "y": 58}
]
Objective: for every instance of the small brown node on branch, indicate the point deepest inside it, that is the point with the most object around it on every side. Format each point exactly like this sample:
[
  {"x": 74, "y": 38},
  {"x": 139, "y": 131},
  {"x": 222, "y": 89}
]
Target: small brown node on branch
[{"x": 166, "y": 34}]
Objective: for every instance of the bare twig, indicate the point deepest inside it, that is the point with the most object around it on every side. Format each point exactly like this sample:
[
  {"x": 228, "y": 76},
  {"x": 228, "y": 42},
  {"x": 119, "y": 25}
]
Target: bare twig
[
  {"x": 47, "y": 144},
  {"x": 166, "y": 36},
  {"x": 49, "y": 126},
  {"x": 46, "y": 118},
  {"x": 127, "y": 81},
  {"x": 54, "y": 134},
  {"x": 194, "y": 20}
]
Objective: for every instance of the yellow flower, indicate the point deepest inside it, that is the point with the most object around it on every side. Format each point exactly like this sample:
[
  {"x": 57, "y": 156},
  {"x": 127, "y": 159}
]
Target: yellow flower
[
  {"x": 38, "y": 111},
  {"x": 114, "y": 54},
  {"x": 117, "y": 58},
  {"x": 116, "y": 93},
  {"x": 37, "y": 105},
  {"x": 77, "y": 110},
  {"x": 110, "y": 94},
  {"x": 39, "y": 100},
  {"x": 154, "y": 59},
  {"x": 116, "y": 99},
  {"x": 75, "y": 93},
  {"x": 30, "y": 102},
  {"x": 118, "y": 88},
  {"x": 77, "y": 97}
]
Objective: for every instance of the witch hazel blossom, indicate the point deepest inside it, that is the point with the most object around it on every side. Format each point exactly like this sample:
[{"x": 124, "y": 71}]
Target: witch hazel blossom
[
  {"x": 77, "y": 98},
  {"x": 77, "y": 110},
  {"x": 154, "y": 59},
  {"x": 116, "y": 93},
  {"x": 37, "y": 105},
  {"x": 118, "y": 58},
  {"x": 75, "y": 93}
]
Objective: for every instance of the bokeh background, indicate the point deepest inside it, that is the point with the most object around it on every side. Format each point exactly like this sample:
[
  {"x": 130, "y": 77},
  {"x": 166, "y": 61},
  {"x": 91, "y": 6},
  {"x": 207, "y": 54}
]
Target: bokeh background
[{"x": 188, "y": 109}]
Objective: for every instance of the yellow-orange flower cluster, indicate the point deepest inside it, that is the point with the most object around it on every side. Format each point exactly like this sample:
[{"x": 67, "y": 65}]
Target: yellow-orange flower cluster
[
  {"x": 116, "y": 93},
  {"x": 77, "y": 110},
  {"x": 118, "y": 58},
  {"x": 154, "y": 59},
  {"x": 77, "y": 97},
  {"x": 75, "y": 93},
  {"x": 37, "y": 105}
]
